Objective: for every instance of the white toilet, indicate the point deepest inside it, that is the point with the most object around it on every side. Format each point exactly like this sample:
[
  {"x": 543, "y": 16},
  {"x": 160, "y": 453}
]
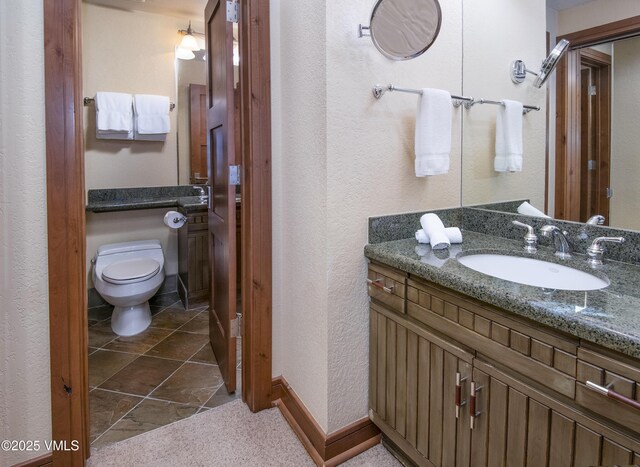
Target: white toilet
[{"x": 127, "y": 275}]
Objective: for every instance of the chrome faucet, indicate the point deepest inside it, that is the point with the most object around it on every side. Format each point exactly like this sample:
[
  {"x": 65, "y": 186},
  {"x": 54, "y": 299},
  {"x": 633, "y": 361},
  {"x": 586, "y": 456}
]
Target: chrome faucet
[
  {"x": 596, "y": 220},
  {"x": 201, "y": 191},
  {"x": 530, "y": 238},
  {"x": 595, "y": 253},
  {"x": 562, "y": 244}
]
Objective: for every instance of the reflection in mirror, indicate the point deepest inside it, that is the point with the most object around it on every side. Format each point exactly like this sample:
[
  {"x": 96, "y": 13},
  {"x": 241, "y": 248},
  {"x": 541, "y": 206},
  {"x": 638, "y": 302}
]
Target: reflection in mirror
[
  {"x": 192, "y": 115},
  {"x": 487, "y": 56},
  {"x": 601, "y": 171},
  {"x": 590, "y": 167},
  {"x": 519, "y": 69},
  {"x": 405, "y": 29}
]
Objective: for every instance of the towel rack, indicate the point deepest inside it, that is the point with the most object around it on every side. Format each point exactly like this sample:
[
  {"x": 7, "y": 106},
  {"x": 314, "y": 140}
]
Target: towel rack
[
  {"x": 90, "y": 100},
  {"x": 379, "y": 90},
  {"x": 525, "y": 108}
]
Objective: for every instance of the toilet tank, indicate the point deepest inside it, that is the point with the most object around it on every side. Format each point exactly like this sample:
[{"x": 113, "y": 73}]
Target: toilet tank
[{"x": 127, "y": 247}]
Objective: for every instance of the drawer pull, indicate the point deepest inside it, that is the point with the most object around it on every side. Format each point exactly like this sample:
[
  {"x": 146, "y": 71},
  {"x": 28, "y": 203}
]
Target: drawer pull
[
  {"x": 473, "y": 412},
  {"x": 459, "y": 401},
  {"x": 613, "y": 395},
  {"x": 380, "y": 284}
]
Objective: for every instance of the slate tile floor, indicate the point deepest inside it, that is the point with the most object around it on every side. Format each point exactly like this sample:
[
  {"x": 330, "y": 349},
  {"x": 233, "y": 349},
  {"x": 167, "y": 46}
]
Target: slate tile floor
[{"x": 160, "y": 376}]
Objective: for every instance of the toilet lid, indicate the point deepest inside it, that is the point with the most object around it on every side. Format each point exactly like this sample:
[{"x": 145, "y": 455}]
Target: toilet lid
[{"x": 131, "y": 270}]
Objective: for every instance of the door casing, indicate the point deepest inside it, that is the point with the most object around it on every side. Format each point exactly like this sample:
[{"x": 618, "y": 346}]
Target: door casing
[{"x": 66, "y": 217}]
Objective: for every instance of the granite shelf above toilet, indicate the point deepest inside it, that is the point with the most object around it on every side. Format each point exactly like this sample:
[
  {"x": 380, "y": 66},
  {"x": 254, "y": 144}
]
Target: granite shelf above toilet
[{"x": 187, "y": 197}]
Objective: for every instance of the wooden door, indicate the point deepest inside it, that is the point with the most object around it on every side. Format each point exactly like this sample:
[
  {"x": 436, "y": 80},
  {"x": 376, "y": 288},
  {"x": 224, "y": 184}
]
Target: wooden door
[
  {"x": 222, "y": 201},
  {"x": 198, "y": 133},
  {"x": 583, "y": 135}
]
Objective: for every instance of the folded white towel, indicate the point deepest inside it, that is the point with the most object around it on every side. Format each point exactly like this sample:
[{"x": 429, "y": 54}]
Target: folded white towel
[
  {"x": 433, "y": 133},
  {"x": 434, "y": 228},
  {"x": 127, "y": 135},
  {"x": 454, "y": 234},
  {"x": 528, "y": 210},
  {"x": 151, "y": 116},
  {"x": 114, "y": 115},
  {"x": 509, "y": 137}
]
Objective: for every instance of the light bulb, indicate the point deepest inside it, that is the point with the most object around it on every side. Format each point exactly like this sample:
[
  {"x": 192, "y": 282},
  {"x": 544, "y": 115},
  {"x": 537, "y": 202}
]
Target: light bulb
[
  {"x": 189, "y": 42},
  {"x": 184, "y": 54}
]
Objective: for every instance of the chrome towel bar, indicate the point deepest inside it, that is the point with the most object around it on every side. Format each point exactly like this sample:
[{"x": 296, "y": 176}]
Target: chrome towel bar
[
  {"x": 379, "y": 91},
  {"x": 90, "y": 100}
]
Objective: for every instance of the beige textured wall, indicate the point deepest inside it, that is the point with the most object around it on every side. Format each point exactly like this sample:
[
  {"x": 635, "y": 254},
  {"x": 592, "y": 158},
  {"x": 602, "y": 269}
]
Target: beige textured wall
[
  {"x": 338, "y": 159},
  {"x": 595, "y": 13},
  {"x": 132, "y": 52},
  {"x": 513, "y": 30},
  {"x": 25, "y": 402},
  {"x": 300, "y": 344},
  {"x": 625, "y": 138}
]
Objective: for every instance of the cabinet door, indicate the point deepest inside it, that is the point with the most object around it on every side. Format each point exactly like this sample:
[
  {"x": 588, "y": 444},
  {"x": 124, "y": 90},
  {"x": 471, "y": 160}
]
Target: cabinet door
[
  {"x": 515, "y": 428},
  {"x": 413, "y": 391}
]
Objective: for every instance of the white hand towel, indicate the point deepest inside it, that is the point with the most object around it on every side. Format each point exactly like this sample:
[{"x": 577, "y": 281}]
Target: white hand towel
[
  {"x": 509, "y": 137},
  {"x": 454, "y": 234},
  {"x": 127, "y": 135},
  {"x": 434, "y": 228},
  {"x": 528, "y": 210},
  {"x": 114, "y": 115},
  {"x": 151, "y": 116},
  {"x": 433, "y": 133}
]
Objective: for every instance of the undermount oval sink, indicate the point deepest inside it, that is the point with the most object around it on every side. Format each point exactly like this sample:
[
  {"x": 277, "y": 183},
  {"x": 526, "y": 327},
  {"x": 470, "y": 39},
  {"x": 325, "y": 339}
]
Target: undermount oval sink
[{"x": 534, "y": 272}]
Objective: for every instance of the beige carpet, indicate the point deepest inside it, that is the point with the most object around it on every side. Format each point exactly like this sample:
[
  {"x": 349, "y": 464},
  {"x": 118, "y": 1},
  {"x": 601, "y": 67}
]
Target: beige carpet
[{"x": 229, "y": 435}]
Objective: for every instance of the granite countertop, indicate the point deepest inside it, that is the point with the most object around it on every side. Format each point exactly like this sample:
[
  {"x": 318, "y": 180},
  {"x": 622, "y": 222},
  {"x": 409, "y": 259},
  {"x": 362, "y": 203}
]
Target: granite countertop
[
  {"x": 186, "y": 197},
  {"x": 609, "y": 317}
]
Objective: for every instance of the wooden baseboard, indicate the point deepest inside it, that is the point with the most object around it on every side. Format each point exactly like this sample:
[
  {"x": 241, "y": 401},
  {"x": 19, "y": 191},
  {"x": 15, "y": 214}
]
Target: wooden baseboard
[
  {"x": 42, "y": 461},
  {"x": 325, "y": 450}
]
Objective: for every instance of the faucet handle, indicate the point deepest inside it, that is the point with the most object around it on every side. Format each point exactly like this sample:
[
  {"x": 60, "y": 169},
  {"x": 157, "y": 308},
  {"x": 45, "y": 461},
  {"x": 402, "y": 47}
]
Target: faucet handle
[
  {"x": 595, "y": 253},
  {"x": 530, "y": 238}
]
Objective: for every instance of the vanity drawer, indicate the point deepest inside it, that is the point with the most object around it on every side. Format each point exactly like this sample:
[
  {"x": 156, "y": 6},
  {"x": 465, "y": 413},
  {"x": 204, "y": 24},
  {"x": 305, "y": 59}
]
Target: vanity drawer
[
  {"x": 545, "y": 356},
  {"x": 387, "y": 286},
  {"x": 618, "y": 373}
]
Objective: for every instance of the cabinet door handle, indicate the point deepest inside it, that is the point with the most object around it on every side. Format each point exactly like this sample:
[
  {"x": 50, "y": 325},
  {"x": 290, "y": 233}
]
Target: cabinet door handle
[
  {"x": 380, "y": 284},
  {"x": 613, "y": 395},
  {"x": 459, "y": 401},
  {"x": 473, "y": 412}
]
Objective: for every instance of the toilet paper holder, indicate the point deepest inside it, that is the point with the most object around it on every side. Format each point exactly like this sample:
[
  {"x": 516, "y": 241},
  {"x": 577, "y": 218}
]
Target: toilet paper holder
[
  {"x": 175, "y": 220},
  {"x": 179, "y": 220}
]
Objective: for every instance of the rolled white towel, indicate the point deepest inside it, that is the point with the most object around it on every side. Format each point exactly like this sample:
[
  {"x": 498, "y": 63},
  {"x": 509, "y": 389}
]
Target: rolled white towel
[
  {"x": 454, "y": 234},
  {"x": 434, "y": 228},
  {"x": 528, "y": 210}
]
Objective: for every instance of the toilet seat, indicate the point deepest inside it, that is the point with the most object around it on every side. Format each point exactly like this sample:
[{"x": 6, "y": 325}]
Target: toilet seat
[{"x": 130, "y": 271}]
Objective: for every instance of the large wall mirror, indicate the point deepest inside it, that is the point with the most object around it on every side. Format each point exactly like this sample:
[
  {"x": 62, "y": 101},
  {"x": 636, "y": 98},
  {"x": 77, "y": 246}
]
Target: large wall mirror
[
  {"x": 133, "y": 47},
  {"x": 586, "y": 166}
]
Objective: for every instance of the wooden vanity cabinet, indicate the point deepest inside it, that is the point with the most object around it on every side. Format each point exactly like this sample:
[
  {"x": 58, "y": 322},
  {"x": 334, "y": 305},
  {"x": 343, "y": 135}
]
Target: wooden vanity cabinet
[
  {"x": 193, "y": 261},
  {"x": 526, "y": 409}
]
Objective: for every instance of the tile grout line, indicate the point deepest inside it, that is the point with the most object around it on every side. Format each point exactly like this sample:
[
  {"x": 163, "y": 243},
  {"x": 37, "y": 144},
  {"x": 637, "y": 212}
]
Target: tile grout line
[
  {"x": 149, "y": 395},
  {"x": 144, "y": 398}
]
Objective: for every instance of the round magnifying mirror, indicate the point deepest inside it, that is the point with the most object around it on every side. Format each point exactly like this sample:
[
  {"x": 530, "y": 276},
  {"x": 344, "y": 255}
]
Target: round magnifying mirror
[
  {"x": 551, "y": 62},
  {"x": 405, "y": 29}
]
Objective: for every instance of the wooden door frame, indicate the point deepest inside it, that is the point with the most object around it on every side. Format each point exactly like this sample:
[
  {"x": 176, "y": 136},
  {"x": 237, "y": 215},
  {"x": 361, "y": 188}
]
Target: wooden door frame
[
  {"x": 66, "y": 217},
  {"x": 568, "y": 103}
]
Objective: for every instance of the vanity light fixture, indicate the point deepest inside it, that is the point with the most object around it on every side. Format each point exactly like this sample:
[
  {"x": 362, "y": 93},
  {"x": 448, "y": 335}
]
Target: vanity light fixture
[
  {"x": 519, "y": 69},
  {"x": 188, "y": 41}
]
